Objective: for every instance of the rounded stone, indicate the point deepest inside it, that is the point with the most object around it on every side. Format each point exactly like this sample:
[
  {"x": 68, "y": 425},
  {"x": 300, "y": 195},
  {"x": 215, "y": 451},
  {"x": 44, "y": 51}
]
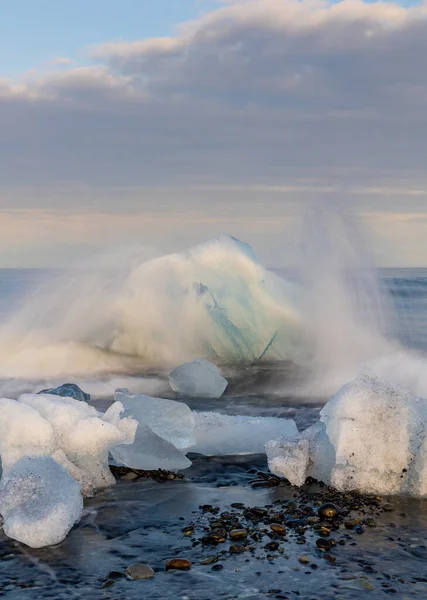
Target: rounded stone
[
  {"x": 328, "y": 511},
  {"x": 277, "y": 528},
  {"x": 139, "y": 571},
  {"x": 178, "y": 564},
  {"x": 238, "y": 534},
  {"x": 323, "y": 544}
]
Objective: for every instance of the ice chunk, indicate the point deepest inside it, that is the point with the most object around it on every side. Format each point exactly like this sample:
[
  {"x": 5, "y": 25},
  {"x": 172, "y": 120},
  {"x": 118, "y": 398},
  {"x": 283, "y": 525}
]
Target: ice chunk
[
  {"x": 23, "y": 432},
  {"x": 289, "y": 458},
  {"x": 150, "y": 452},
  {"x": 173, "y": 421},
  {"x": 372, "y": 436},
  {"x": 39, "y": 502},
  {"x": 68, "y": 390},
  {"x": 84, "y": 434},
  {"x": 198, "y": 379},
  {"x": 218, "y": 434}
]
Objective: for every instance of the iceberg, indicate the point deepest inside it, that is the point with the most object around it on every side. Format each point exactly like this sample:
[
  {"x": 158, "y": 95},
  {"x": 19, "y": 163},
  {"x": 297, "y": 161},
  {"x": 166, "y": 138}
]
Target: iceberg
[
  {"x": 219, "y": 435},
  {"x": 198, "y": 379},
  {"x": 371, "y": 436},
  {"x": 39, "y": 502}
]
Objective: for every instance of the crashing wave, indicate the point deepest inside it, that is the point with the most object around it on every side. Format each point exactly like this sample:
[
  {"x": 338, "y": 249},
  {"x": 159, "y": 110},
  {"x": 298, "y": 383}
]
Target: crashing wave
[{"x": 214, "y": 301}]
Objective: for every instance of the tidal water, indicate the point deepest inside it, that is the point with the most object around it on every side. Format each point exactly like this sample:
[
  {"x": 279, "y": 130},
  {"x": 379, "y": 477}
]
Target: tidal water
[{"x": 142, "y": 521}]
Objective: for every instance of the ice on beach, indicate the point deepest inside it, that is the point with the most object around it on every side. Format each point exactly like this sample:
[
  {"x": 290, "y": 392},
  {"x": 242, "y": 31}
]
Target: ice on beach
[
  {"x": 37, "y": 425},
  {"x": 39, "y": 502},
  {"x": 150, "y": 452},
  {"x": 218, "y": 434},
  {"x": 165, "y": 427},
  {"x": 371, "y": 436},
  {"x": 171, "y": 420},
  {"x": 23, "y": 432},
  {"x": 198, "y": 379}
]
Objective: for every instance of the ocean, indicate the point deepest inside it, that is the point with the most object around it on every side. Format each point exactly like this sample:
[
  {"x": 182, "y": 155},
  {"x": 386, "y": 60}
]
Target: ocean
[{"x": 142, "y": 521}]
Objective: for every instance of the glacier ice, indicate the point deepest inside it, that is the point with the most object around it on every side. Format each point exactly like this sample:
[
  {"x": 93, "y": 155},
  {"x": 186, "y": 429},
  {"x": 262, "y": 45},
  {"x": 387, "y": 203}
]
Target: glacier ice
[
  {"x": 165, "y": 427},
  {"x": 371, "y": 436},
  {"x": 214, "y": 300},
  {"x": 169, "y": 419},
  {"x": 218, "y": 434},
  {"x": 23, "y": 431},
  {"x": 198, "y": 379},
  {"x": 68, "y": 429},
  {"x": 150, "y": 452},
  {"x": 39, "y": 502}
]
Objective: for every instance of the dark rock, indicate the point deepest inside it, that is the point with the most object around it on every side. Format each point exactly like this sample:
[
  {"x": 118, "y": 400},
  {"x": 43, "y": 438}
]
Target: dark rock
[{"x": 139, "y": 571}]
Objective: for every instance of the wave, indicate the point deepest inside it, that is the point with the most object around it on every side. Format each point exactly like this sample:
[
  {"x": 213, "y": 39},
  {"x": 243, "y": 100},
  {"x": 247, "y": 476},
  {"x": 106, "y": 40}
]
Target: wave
[{"x": 215, "y": 300}]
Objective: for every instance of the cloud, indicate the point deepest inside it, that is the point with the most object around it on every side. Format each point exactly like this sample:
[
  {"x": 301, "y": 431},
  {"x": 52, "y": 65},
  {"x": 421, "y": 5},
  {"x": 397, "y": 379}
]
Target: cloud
[{"x": 241, "y": 116}]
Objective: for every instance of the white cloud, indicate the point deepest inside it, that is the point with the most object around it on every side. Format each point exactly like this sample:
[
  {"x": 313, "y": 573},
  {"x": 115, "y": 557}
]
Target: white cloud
[{"x": 259, "y": 95}]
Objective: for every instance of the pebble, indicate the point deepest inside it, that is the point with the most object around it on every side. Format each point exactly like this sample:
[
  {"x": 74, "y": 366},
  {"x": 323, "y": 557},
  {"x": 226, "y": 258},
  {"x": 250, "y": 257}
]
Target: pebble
[
  {"x": 129, "y": 476},
  {"x": 139, "y": 571},
  {"x": 237, "y": 549},
  {"x": 179, "y": 564},
  {"x": 387, "y": 507},
  {"x": 238, "y": 534},
  {"x": 323, "y": 544},
  {"x": 328, "y": 511},
  {"x": 277, "y": 528},
  {"x": 304, "y": 560}
]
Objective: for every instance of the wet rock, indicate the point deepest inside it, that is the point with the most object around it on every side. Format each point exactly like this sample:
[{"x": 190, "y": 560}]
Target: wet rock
[
  {"x": 218, "y": 536},
  {"x": 387, "y": 507},
  {"x": 217, "y": 567},
  {"x": 237, "y": 549},
  {"x": 272, "y": 546},
  {"x": 278, "y": 529},
  {"x": 238, "y": 534},
  {"x": 210, "y": 560},
  {"x": 328, "y": 511},
  {"x": 129, "y": 476},
  {"x": 323, "y": 544},
  {"x": 178, "y": 564},
  {"x": 139, "y": 571}
]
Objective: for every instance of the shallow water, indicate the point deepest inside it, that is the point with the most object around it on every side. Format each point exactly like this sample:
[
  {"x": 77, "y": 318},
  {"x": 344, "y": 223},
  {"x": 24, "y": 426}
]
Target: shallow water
[{"x": 142, "y": 521}]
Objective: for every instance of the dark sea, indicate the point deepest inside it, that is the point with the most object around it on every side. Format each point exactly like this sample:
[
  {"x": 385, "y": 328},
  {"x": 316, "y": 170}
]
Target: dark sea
[{"x": 142, "y": 521}]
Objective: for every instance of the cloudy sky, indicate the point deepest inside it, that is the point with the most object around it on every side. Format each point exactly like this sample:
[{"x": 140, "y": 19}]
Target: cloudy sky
[{"x": 165, "y": 123}]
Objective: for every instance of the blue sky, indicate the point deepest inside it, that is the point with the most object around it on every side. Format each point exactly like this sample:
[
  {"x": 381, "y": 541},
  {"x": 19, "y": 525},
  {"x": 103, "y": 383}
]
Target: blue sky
[
  {"x": 34, "y": 32},
  {"x": 234, "y": 123}
]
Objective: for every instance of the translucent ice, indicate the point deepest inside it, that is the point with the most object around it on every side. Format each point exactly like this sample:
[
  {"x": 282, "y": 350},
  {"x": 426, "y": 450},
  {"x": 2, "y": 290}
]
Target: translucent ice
[
  {"x": 173, "y": 421},
  {"x": 150, "y": 452},
  {"x": 198, "y": 379},
  {"x": 218, "y": 434},
  {"x": 372, "y": 436},
  {"x": 39, "y": 502},
  {"x": 165, "y": 427}
]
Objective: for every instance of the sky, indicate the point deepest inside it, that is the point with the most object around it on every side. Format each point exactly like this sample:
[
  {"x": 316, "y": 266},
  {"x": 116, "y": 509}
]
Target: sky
[{"x": 166, "y": 123}]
